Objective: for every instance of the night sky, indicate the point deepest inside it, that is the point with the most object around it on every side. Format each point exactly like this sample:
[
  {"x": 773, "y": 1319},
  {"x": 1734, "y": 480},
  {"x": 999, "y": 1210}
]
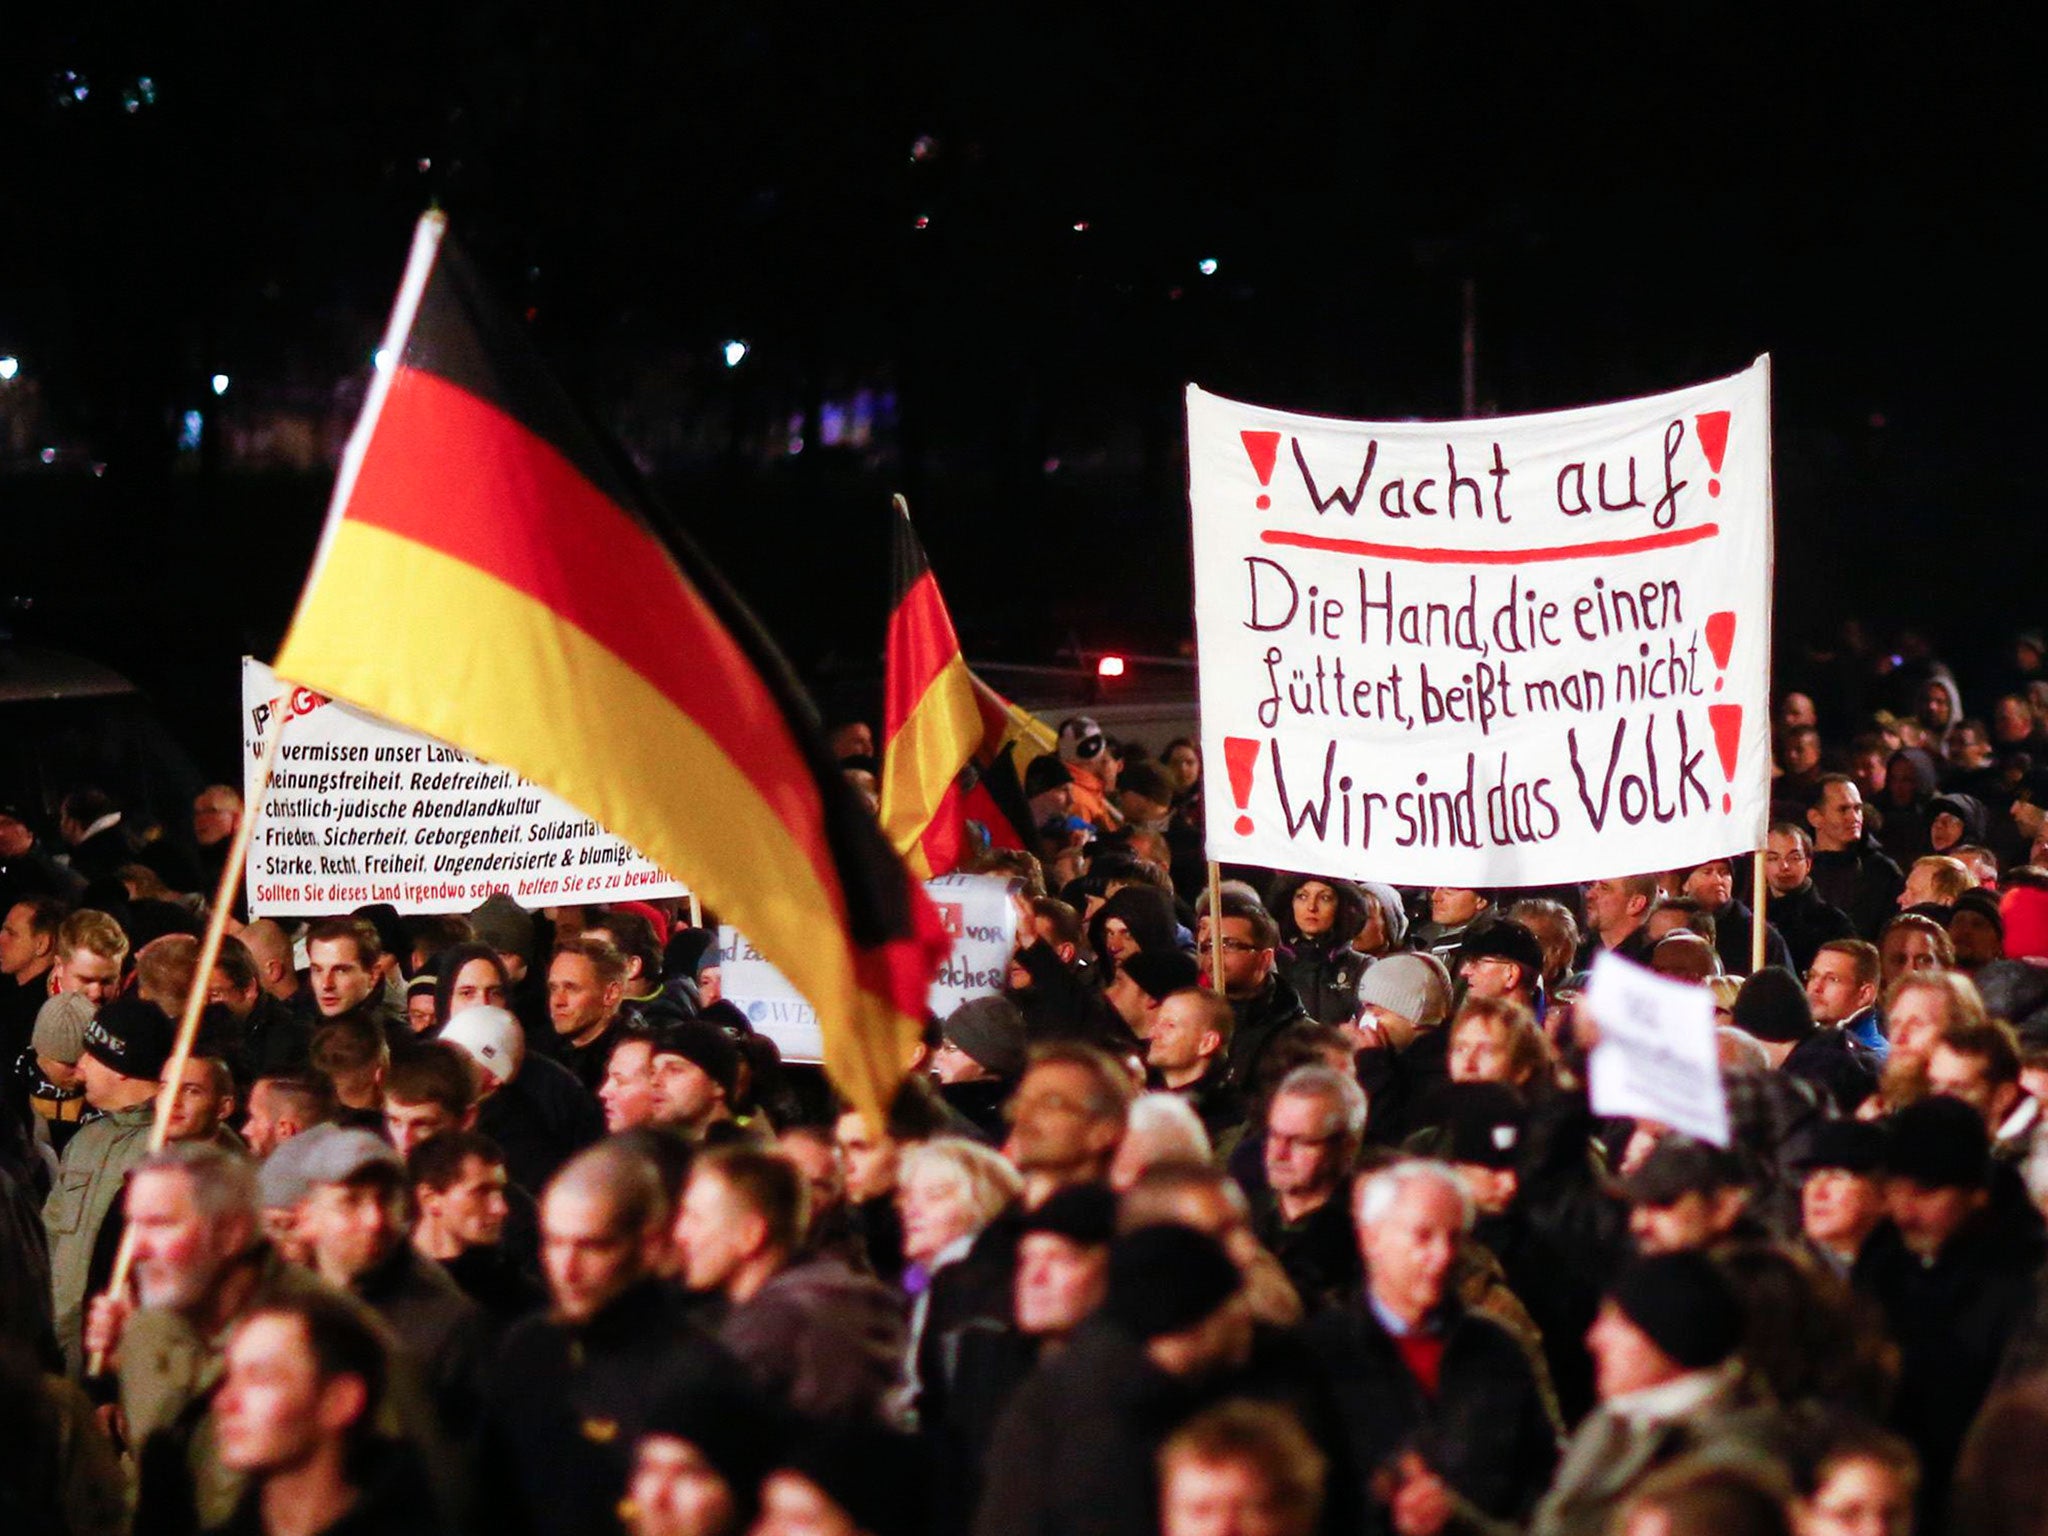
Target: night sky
[{"x": 882, "y": 202}]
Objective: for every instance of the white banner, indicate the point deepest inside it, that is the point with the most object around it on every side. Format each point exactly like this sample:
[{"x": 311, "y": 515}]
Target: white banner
[
  {"x": 978, "y": 916},
  {"x": 1657, "y": 1058},
  {"x": 1520, "y": 651},
  {"x": 360, "y": 810}
]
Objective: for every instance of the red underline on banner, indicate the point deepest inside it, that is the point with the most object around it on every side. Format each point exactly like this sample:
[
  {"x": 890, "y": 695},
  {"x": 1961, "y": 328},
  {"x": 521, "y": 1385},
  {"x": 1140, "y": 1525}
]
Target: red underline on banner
[{"x": 1427, "y": 556}]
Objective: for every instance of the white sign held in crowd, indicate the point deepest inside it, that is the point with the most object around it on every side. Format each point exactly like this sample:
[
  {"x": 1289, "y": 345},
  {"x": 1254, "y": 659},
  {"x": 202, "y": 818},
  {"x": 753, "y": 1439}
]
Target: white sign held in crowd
[
  {"x": 1657, "y": 1057},
  {"x": 359, "y": 810},
  {"x": 1519, "y": 651},
  {"x": 978, "y": 915}
]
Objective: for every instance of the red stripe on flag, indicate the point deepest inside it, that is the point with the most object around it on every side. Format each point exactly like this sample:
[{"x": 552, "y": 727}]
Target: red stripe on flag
[
  {"x": 448, "y": 470},
  {"x": 921, "y": 642}
]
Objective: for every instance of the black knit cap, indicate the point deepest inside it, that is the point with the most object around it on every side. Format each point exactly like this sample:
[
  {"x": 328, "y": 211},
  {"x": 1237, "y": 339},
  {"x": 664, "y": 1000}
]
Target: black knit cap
[
  {"x": 873, "y": 1474},
  {"x": 1772, "y": 1006},
  {"x": 1487, "y": 1121},
  {"x": 1684, "y": 1304},
  {"x": 1984, "y": 904},
  {"x": 1939, "y": 1143},
  {"x": 730, "y": 1427},
  {"x": 1159, "y": 973},
  {"x": 1166, "y": 1279},
  {"x": 132, "y": 1037},
  {"x": 1081, "y": 1213},
  {"x": 704, "y": 1043},
  {"x": 1678, "y": 1166},
  {"x": 1855, "y": 1146}
]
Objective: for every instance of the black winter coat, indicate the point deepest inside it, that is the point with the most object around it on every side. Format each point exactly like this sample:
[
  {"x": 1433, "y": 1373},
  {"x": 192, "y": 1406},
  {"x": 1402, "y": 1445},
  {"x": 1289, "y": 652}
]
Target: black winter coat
[{"x": 1486, "y": 1432}]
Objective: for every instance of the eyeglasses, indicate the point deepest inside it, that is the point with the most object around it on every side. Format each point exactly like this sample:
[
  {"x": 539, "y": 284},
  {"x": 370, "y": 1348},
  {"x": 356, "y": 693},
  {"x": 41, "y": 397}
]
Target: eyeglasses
[
  {"x": 1089, "y": 746},
  {"x": 1239, "y": 947}
]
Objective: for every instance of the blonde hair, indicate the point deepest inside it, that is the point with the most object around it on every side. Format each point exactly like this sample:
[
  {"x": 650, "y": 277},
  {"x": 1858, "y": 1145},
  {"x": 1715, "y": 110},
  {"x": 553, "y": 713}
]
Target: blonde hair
[{"x": 986, "y": 1180}]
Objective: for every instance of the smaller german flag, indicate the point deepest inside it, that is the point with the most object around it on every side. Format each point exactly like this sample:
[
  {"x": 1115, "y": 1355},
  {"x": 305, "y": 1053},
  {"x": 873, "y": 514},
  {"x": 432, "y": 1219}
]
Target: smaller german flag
[
  {"x": 931, "y": 723},
  {"x": 1011, "y": 740}
]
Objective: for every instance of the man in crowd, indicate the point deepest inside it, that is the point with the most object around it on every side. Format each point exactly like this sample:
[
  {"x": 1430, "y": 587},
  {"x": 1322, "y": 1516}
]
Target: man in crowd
[
  {"x": 1841, "y": 988},
  {"x": 344, "y": 959},
  {"x": 296, "y": 1415},
  {"x": 1142, "y": 983},
  {"x": 528, "y": 1104},
  {"x": 429, "y": 1091},
  {"x": 1617, "y": 918},
  {"x": 1980, "y": 1065},
  {"x": 126, "y": 1047},
  {"x": 1953, "y": 1270},
  {"x": 1686, "y": 1195},
  {"x": 819, "y": 1340},
  {"x": 1671, "y": 1384},
  {"x": 281, "y": 1107},
  {"x": 28, "y": 952},
  {"x": 1841, "y": 1193},
  {"x": 627, "y": 1092},
  {"x": 459, "y": 1187},
  {"x": 271, "y": 948},
  {"x": 27, "y": 866},
  {"x": 354, "y": 1219},
  {"x": 586, "y": 984},
  {"x": 1261, "y": 998},
  {"x": 1501, "y": 959},
  {"x": 1314, "y": 1129},
  {"x": 1796, "y": 906},
  {"x": 980, "y": 1057},
  {"x": 1850, "y": 871},
  {"x": 1409, "y": 1365},
  {"x": 91, "y": 951},
  {"x": 273, "y": 1038},
  {"x": 696, "y": 1070},
  {"x": 200, "y": 1265},
  {"x": 216, "y": 814},
  {"x": 1188, "y": 1053},
  {"x": 509, "y": 930},
  {"x": 1241, "y": 1467},
  {"x": 573, "y": 1388}
]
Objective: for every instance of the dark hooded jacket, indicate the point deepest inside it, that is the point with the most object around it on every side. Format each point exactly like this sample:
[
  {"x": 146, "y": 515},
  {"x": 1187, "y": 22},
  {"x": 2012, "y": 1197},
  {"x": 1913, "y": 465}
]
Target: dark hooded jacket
[
  {"x": 1149, "y": 915},
  {"x": 1323, "y": 970}
]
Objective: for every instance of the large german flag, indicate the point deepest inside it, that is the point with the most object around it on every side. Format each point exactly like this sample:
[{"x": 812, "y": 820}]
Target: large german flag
[
  {"x": 490, "y": 575},
  {"x": 931, "y": 723}
]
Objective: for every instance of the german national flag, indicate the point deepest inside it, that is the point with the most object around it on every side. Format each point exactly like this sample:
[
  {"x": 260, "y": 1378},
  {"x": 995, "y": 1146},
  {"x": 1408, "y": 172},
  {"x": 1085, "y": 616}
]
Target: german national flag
[
  {"x": 1011, "y": 738},
  {"x": 490, "y": 575},
  {"x": 930, "y": 721}
]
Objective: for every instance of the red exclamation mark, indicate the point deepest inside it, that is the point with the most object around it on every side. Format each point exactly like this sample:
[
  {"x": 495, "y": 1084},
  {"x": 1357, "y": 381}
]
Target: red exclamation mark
[
  {"x": 1727, "y": 722},
  {"x": 1720, "y": 640},
  {"x": 1240, "y": 757},
  {"x": 1264, "y": 448},
  {"x": 1712, "y": 427}
]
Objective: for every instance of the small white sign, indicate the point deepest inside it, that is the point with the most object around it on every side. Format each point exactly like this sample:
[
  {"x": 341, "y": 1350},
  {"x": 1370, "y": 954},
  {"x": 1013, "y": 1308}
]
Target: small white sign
[
  {"x": 1657, "y": 1057},
  {"x": 978, "y": 916}
]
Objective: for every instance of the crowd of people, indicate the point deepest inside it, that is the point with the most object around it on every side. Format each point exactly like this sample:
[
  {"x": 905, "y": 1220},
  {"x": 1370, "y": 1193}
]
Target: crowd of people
[{"x": 1281, "y": 1213}]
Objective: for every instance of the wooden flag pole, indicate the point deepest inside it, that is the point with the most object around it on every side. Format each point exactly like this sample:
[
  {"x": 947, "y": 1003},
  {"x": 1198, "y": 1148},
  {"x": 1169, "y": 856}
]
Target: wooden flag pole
[
  {"x": 696, "y": 911},
  {"x": 1216, "y": 927},
  {"x": 195, "y": 1001}
]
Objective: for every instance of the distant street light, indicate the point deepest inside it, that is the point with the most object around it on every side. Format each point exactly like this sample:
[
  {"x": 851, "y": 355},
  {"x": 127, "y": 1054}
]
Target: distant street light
[
  {"x": 220, "y": 384},
  {"x": 735, "y": 353},
  {"x": 1110, "y": 666},
  {"x": 1206, "y": 266},
  {"x": 9, "y": 367}
]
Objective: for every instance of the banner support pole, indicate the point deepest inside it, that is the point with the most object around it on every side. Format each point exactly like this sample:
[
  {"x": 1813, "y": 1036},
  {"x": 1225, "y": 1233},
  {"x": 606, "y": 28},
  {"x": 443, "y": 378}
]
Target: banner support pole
[
  {"x": 1216, "y": 927},
  {"x": 1760, "y": 891}
]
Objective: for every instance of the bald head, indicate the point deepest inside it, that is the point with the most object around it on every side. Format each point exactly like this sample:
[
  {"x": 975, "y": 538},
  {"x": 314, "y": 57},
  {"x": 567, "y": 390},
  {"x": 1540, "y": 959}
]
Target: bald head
[{"x": 271, "y": 948}]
